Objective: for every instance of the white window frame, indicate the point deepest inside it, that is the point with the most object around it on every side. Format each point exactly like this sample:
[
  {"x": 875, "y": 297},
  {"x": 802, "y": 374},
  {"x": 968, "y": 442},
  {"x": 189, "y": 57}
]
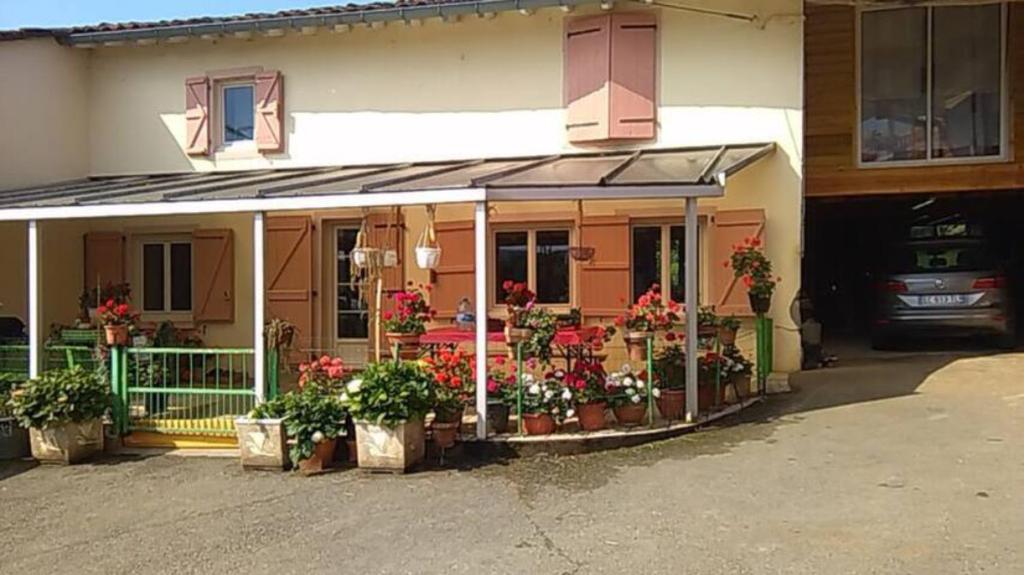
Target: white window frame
[
  {"x": 666, "y": 259},
  {"x": 335, "y": 228},
  {"x": 166, "y": 314},
  {"x": 244, "y": 147},
  {"x": 1004, "y": 104},
  {"x": 498, "y": 307}
]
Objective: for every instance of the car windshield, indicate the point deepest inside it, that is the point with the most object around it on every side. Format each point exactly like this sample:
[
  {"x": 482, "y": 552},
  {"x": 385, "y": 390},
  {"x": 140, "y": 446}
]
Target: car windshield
[{"x": 940, "y": 257}]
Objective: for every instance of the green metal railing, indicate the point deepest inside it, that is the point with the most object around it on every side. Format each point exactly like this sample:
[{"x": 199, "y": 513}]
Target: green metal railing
[
  {"x": 14, "y": 358},
  {"x": 183, "y": 390}
]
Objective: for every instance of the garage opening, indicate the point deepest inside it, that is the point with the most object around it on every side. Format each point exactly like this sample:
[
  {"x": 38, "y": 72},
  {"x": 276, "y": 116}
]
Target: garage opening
[{"x": 912, "y": 270}]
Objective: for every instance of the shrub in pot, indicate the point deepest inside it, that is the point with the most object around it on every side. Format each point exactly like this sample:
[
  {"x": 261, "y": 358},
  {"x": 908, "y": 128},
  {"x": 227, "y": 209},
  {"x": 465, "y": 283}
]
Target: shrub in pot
[
  {"x": 642, "y": 319},
  {"x": 712, "y": 372},
  {"x": 63, "y": 410},
  {"x": 501, "y": 394},
  {"x": 587, "y": 381},
  {"x": 262, "y": 436},
  {"x": 453, "y": 373},
  {"x": 404, "y": 326},
  {"x": 627, "y": 392},
  {"x": 546, "y": 402},
  {"x": 13, "y": 437},
  {"x": 527, "y": 323},
  {"x": 728, "y": 327},
  {"x": 739, "y": 370},
  {"x": 388, "y": 403},
  {"x": 754, "y": 269},
  {"x": 670, "y": 373},
  {"x": 117, "y": 318}
]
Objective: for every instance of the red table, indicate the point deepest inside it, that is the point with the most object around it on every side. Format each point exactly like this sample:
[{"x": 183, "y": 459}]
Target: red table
[{"x": 571, "y": 343}]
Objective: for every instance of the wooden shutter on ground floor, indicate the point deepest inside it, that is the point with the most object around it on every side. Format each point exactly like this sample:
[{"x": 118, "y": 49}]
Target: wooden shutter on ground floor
[
  {"x": 392, "y": 238},
  {"x": 104, "y": 259},
  {"x": 604, "y": 281},
  {"x": 454, "y": 278},
  {"x": 213, "y": 276},
  {"x": 288, "y": 247},
  {"x": 729, "y": 228}
]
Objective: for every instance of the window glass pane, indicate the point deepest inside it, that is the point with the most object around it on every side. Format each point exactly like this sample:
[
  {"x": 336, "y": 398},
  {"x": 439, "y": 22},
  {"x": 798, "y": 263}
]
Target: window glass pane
[
  {"x": 510, "y": 260},
  {"x": 181, "y": 276},
  {"x": 646, "y": 259},
  {"x": 238, "y": 113},
  {"x": 676, "y": 257},
  {"x": 894, "y": 85},
  {"x": 153, "y": 277},
  {"x": 353, "y": 320},
  {"x": 553, "y": 266},
  {"x": 966, "y": 77}
]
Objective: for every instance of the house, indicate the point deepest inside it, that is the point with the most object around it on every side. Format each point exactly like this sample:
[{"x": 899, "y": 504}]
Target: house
[{"x": 223, "y": 167}]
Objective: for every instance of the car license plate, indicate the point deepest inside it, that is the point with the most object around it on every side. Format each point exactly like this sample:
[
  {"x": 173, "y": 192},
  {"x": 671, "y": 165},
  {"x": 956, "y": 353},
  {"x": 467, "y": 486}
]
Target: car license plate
[{"x": 943, "y": 300}]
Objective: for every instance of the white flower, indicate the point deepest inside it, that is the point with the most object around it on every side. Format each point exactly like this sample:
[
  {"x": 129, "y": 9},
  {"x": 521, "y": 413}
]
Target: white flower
[
  {"x": 656, "y": 392},
  {"x": 640, "y": 383},
  {"x": 635, "y": 399},
  {"x": 559, "y": 373},
  {"x": 533, "y": 389},
  {"x": 317, "y": 437},
  {"x": 548, "y": 394},
  {"x": 354, "y": 386},
  {"x": 344, "y": 397},
  {"x": 528, "y": 378},
  {"x": 567, "y": 395},
  {"x": 630, "y": 391},
  {"x": 570, "y": 413},
  {"x": 628, "y": 381}
]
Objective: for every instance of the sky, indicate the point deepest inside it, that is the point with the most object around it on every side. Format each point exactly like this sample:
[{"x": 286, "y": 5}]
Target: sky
[{"x": 56, "y": 13}]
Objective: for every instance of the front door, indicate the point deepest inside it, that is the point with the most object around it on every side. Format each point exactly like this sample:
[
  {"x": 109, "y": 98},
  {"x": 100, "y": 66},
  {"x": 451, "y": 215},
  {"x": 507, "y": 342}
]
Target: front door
[{"x": 351, "y": 316}]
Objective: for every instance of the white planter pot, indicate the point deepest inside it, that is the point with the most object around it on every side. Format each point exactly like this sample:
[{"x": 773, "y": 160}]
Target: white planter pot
[
  {"x": 428, "y": 258},
  {"x": 390, "y": 448},
  {"x": 390, "y": 258},
  {"x": 263, "y": 443},
  {"x": 68, "y": 443},
  {"x": 361, "y": 256}
]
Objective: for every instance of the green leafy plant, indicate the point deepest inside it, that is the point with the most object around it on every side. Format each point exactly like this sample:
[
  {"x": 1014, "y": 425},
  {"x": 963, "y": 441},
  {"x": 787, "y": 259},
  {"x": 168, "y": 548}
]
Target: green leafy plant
[
  {"x": 670, "y": 366},
  {"x": 390, "y": 393},
  {"x": 59, "y": 397},
  {"x": 7, "y": 382},
  {"x": 543, "y": 324},
  {"x": 730, "y": 322},
  {"x": 310, "y": 417},
  {"x": 706, "y": 317}
]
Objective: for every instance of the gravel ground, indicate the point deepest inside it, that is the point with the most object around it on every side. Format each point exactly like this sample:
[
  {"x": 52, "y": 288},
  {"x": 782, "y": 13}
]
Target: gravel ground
[{"x": 902, "y": 463}]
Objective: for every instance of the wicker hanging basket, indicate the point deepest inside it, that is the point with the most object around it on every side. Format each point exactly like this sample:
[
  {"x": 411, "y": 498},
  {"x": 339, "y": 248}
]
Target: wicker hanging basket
[{"x": 581, "y": 253}]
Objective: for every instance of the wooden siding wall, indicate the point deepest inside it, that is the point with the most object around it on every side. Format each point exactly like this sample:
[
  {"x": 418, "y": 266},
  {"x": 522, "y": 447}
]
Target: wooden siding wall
[{"x": 831, "y": 119}]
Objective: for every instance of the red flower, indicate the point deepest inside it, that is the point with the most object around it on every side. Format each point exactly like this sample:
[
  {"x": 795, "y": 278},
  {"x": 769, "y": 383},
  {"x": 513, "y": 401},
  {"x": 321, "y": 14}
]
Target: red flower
[
  {"x": 670, "y": 336},
  {"x": 507, "y": 285}
]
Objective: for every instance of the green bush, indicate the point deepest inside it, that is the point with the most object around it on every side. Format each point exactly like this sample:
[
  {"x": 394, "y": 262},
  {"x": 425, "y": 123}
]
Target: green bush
[
  {"x": 7, "y": 383},
  {"x": 390, "y": 393},
  {"x": 58, "y": 397},
  {"x": 310, "y": 416}
]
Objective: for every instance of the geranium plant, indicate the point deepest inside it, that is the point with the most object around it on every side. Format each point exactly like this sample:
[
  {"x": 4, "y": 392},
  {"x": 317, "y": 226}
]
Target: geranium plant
[
  {"x": 390, "y": 393},
  {"x": 58, "y": 397},
  {"x": 454, "y": 376},
  {"x": 326, "y": 373},
  {"x": 311, "y": 416},
  {"x": 587, "y": 380},
  {"x": 670, "y": 363},
  {"x": 501, "y": 381},
  {"x": 650, "y": 313},
  {"x": 753, "y": 268},
  {"x": 626, "y": 387},
  {"x": 411, "y": 314},
  {"x": 735, "y": 363},
  {"x": 115, "y": 313},
  {"x": 548, "y": 395},
  {"x": 518, "y": 299}
]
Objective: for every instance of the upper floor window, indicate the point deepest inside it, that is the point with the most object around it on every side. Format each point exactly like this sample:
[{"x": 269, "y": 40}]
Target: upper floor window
[
  {"x": 931, "y": 82},
  {"x": 238, "y": 113}
]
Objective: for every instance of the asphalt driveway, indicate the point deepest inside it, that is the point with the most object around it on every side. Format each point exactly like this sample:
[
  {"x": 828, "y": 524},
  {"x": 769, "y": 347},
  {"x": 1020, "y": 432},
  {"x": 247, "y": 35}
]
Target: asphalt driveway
[{"x": 896, "y": 463}]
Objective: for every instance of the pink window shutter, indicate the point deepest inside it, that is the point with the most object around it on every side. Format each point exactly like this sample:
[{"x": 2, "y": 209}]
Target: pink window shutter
[
  {"x": 197, "y": 115},
  {"x": 269, "y": 112},
  {"x": 633, "y": 76},
  {"x": 587, "y": 53}
]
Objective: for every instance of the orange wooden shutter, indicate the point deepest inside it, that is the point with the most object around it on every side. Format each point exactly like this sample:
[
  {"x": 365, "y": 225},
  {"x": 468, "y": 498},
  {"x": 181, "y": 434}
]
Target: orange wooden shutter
[
  {"x": 104, "y": 259},
  {"x": 604, "y": 281},
  {"x": 288, "y": 246},
  {"x": 729, "y": 228},
  {"x": 454, "y": 278},
  {"x": 213, "y": 276},
  {"x": 587, "y": 54},
  {"x": 633, "y": 61},
  {"x": 197, "y": 115},
  {"x": 269, "y": 112}
]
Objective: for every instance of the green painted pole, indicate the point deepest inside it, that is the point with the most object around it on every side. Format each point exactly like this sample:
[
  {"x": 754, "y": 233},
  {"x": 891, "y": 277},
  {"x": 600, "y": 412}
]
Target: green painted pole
[
  {"x": 115, "y": 386},
  {"x": 650, "y": 380},
  {"x": 519, "y": 386},
  {"x": 718, "y": 372},
  {"x": 272, "y": 372}
]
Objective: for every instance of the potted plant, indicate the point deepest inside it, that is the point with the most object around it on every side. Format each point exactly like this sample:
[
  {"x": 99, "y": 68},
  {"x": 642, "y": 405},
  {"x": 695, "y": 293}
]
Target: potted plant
[
  {"x": 262, "y": 437},
  {"x": 587, "y": 380},
  {"x": 670, "y": 373},
  {"x": 388, "y": 403},
  {"x": 501, "y": 394},
  {"x": 712, "y": 371},
  {"x": 404, "y": 326},
  {"x": 545, "y": 403},
  {"x": 749, "y": 264},
  {"x": 519, "y": 300},
  {"x": 117, "y": 319},
  {"x": 740, "y": 371},
  {"x": 326, "y": 373},
  {"x": 63, "y": 411},
  {"x": 627, "y": 393},
  {"x": 13, "y": 437},
  {"x": 649, "y": 314},
  {"x": 453, "y": 373},
  {"x": 728, "y": 327},
  {"x": 707, "y": 322}
]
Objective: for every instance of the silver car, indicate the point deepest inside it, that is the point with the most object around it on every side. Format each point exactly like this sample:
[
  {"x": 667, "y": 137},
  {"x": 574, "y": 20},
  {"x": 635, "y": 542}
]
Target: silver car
[{"x": 943, "y": 288}]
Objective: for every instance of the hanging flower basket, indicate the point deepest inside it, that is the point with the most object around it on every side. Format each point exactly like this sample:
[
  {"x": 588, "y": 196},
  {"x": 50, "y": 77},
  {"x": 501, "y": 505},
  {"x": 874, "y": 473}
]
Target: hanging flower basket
[
  {"x": 582, "y": 253},
  {"x": 428, "y": 253}
]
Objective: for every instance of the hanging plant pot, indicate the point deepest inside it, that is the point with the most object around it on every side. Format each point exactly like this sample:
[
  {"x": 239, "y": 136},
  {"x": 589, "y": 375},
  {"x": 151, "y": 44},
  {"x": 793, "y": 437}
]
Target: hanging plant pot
[
  {"x": 582, "y": 253},
  {"x": 760, "y": 303},
  {"x": 390, "y": 259},
  {"x": 362, "y": 257},
  {"x": 428, "y": 258}
]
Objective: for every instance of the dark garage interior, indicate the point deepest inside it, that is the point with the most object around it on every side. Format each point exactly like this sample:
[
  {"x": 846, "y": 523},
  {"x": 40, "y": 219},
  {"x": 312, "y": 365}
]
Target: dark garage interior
[{"x": 850, "y": 241}]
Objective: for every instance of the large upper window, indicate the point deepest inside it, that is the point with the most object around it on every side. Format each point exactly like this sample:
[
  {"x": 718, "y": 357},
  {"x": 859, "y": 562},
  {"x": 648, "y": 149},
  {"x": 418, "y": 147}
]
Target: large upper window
[
  {"x": 931, "y": 83},
  {"x": 540, "y": 258}
]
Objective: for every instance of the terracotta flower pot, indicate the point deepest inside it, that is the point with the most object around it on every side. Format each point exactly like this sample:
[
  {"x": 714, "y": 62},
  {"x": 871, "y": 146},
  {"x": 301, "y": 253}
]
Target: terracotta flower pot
[
  {"x": 672, "y": 403},
  {"x": 726, "y": 335},
  {"x": 322, "y": 458},
  {"x": 630, "y": 414},
  {"x": 408, "y": 344},
  {"x": 117, "y": 335},
  {"x": 445, "y": 433},
  {"x": 706, "y": 396},
  {"x": 636, "y": 344},
  {"x": 538, "y": 424},
  {"x": 591, "y": 415}
]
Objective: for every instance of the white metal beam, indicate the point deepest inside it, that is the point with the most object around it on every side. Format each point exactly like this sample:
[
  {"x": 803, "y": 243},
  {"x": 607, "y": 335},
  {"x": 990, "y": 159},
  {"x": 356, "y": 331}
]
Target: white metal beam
[
  {"x": 35, "y": 333},
  {"x": 480, "y": 293},
  {"x": 603, "y": 193},
  {"x": 690, "y": 266},
  {"x": 259, "y": 306}
]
